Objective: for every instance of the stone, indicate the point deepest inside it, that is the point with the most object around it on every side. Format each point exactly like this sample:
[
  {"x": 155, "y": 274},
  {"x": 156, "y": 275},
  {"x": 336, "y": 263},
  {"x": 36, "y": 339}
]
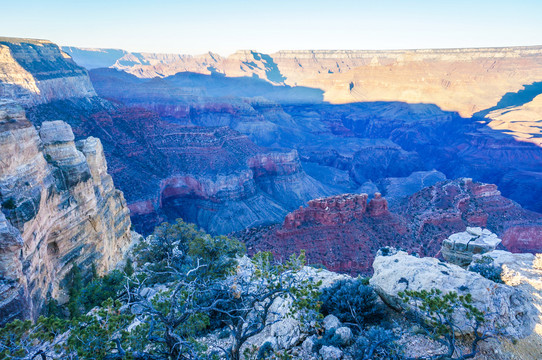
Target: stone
[
  {"x": 285, "y": 329},
  {"x": 331, "y": 322},
  {"x": 459, "y": 248},
  {"x": 54, "y": 213},
  {"x": 345, "y": 335},
  {"x": 506, "y": 307},
  {"x": 35, "y": 72},
  {"x": 331, "y": 353},
  {"x": 346, "y": 236},
  {"x": 308, "y": 344},
  {"x": 522, "y": 272}
]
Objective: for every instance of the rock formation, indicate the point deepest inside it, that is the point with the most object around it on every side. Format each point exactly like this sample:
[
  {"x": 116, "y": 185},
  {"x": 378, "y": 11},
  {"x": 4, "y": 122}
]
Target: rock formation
[
  {"x": 351, "y": 146},
  {"x": 459, "y": 248},
  {"x": 36, "y": 71},
  {"x": 443, "y": 77},
  {"x": 366, "y": 141},
  {"x": 506, "y": 307},
  {"x": 344, "y": 232},
  {"x": 59, "y": 207},
  {"x": 523, "y": 272},
  {"x": 341, "y": 232}
]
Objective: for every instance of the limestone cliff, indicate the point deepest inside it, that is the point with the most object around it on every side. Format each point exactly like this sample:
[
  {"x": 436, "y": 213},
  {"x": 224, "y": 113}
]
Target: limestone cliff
[
  {"x": 36, "y": 71},
  {"x": 59, "y": 207}
]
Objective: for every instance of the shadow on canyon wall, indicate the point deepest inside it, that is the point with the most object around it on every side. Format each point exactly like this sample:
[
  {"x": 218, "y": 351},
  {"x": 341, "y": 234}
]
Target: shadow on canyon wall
[
  {"x": 357, "y": 143},
  {"x": 519, "y": 98}
]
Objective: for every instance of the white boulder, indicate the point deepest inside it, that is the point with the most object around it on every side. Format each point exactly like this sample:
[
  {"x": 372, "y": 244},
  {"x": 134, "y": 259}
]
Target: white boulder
[{"x": 508, "y": 308}]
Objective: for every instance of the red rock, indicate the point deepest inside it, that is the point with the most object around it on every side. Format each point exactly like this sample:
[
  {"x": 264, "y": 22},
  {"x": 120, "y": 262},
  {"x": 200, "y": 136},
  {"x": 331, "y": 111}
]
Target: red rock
[{"x": 343, "y": 233}]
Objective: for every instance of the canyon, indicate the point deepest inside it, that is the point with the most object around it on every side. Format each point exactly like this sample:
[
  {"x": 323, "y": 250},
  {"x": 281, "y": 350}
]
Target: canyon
[
  {"x": 239, "y": 142},
  {"x": 462, "y": 80}
]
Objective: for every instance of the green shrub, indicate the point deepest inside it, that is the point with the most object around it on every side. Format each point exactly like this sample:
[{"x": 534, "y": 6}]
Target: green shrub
[
  {"x": 487, "y": 269},
  {"x": 352, "y": 302},
  {"x": 176, "y": 248},
  {"x": 377, "y": 343},
  {"x": 101, "y": 289},
  {"x": 9, "y": 204}
]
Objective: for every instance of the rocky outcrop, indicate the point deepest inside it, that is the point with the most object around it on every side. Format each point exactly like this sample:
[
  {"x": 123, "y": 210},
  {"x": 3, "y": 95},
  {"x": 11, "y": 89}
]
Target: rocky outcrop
[
  {"x": 334, "y": 210},
  {"x": 448, "y": 207},
  {"x": 366, "y": 141},
  {"x": 214, "y": 177},
  {"x": 36, "y": 71},
  {"x": 284, "y": 330},
  {"x": 344, "y": 232},
  {"x": 59, "y": 208},
  {"x": 341, "y": 232},
  {"x": 459, "y": 248},
  {"x": 506, "y": 308},
  {"x": 523, "y": 272}
]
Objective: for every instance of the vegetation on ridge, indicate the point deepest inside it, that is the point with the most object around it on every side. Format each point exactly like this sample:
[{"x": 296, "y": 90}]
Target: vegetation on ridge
[{"x": 185, "y": 287}]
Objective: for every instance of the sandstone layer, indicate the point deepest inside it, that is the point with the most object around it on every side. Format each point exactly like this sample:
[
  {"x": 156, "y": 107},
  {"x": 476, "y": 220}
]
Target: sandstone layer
[{"x": 59, "y": 208}]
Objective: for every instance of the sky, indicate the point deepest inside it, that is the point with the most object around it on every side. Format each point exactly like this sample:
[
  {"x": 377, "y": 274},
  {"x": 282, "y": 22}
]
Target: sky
[{"x": 195, "y": 27}]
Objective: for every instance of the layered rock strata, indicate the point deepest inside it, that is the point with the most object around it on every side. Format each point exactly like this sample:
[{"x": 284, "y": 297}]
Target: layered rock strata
[
  {"x": 460, "y": 248},
  {"x": 344, "y": 232},
  {"x": 36, "y": 71},
  {"x": 59, "y": 209},
  {"x": 462, "y": 80}
]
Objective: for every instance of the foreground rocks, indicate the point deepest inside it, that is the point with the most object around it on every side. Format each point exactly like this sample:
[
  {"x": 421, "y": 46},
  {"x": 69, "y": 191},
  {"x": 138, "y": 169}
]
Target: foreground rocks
[
  {"x": 459, "y": 248},
  {"x": 509, "y": 309},
  {"x": 523, "y": 272},
  {"x": 59, "y": 208}
]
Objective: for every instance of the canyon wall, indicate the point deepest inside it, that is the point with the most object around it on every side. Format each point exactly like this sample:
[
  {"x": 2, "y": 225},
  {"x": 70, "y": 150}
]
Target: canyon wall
[
  {"x": 462, "y": 80},
  {"x": 36, "y": 71},
  {"x": 59, "y": 208}
]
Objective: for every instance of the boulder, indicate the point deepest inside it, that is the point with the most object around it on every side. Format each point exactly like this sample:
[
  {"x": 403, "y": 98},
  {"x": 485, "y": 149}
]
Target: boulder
[
  {"x": 523, "y": 272},
  {"x": 459, "y": 248},
  {"x": 345, "y": 335},
  {"x": 331, "y": 353},
  {"x": 308, "y": 344},
  {"x": 285, "y": 329},
  {"x": 331, "y": 323},
  {"x": 507, "y": 308}
]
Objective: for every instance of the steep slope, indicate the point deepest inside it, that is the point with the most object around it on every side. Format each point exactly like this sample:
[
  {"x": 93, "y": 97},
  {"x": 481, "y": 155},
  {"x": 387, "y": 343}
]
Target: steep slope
[
  {"x": 352, "y": 137},
  {"x": 344, "y": 232},
  {"x": 36, "y": 71},
  {"x": 212, "y": 176},
  {"x": 58, "y": 208}
]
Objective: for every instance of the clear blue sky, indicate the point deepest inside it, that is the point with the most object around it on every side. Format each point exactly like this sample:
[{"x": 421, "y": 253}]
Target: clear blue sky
[{"x": 223, "y": 26}]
